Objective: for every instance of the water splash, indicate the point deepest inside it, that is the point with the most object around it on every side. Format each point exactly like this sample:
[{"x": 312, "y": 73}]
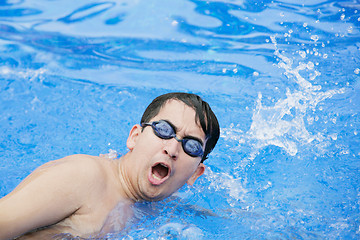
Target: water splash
[
  {"x": 283, "y": 124},
  {"x": 112, "y": 154},
  {"x": 221, "y": 181}
]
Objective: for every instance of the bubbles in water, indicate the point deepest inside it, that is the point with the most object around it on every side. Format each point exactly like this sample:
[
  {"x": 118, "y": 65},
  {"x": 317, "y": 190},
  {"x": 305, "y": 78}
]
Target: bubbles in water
[{"x": 357, "y": 71}]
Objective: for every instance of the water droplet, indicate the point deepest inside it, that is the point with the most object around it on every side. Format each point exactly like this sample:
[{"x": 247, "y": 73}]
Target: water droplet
[
  {"x": 310, "y": 65},
  {"x": 310, "y": 120},
  {"x": 314, "y": 37},
  {"x": 302, "y": 54},
  {"x": 333, "y": 136},
  {"x": 345, "y": 152}
]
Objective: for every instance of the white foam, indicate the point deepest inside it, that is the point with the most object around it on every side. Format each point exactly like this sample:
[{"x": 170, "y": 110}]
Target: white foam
[
  {"x": 29, "y": 74},
  {"x": 181, "y": 231}
]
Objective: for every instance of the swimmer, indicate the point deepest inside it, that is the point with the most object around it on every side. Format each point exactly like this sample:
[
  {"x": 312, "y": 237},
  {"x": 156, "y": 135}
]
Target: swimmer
[{"x": 76, "y": 195}]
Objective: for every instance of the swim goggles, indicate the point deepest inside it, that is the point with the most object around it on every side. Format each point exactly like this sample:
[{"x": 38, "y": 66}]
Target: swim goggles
[{"x": 164, "y": 130}]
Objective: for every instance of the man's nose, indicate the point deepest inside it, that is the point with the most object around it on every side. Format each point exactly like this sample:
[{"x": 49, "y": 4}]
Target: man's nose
[{"x": 172, "y": 148}]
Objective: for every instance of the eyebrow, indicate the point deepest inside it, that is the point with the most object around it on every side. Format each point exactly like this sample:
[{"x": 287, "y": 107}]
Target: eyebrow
[{"x": 176, "y": 129}]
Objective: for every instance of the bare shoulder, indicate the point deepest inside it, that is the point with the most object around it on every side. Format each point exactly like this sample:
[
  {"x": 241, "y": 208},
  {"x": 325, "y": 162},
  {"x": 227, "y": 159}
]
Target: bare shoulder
[
  {"x": 80, "y": 166},
  {"x": 54, "y": 191},
  {"x": 76, "y": 176},
  {"x": 79, "y": 172},
  {"x": 78, "y": 163}
]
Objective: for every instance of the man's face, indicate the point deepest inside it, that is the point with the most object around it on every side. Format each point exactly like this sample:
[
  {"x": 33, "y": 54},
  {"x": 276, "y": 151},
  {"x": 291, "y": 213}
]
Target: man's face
[{"x": 160, "y": 167}]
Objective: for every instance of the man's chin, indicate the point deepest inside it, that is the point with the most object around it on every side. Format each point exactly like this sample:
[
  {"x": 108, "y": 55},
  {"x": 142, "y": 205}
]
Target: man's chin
[{"x": 155, "y": 193}]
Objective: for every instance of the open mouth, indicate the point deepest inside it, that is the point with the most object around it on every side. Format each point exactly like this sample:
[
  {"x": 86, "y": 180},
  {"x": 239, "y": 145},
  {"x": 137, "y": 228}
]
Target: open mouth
[{"x": 159, "y": 173}]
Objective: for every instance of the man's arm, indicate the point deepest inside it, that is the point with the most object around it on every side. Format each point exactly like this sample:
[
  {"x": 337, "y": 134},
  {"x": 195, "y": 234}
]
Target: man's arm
[{"x": 48, "y": 195}]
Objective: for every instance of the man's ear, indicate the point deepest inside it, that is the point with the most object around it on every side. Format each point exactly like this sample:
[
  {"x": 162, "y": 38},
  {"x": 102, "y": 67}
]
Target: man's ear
[
  {"x": 198, "y": 172},
  {"x": 133, "y": 136}
]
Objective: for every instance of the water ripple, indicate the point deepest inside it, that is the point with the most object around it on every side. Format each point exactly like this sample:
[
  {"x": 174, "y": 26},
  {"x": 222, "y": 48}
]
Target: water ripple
[
  {"x": 88, "y": 11},
  {"x": 125, "y": 52},
  {"x": 19, "y": 12}
]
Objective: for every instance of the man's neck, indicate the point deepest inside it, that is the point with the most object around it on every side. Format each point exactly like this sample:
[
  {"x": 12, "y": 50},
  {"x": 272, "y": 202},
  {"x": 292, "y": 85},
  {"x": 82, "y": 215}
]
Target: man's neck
[{"x": 126, "y": 185}]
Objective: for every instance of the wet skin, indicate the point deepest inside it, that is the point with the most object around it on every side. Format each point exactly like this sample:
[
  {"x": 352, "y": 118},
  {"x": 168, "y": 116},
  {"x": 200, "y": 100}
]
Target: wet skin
[{"x": 76, "y": 194}]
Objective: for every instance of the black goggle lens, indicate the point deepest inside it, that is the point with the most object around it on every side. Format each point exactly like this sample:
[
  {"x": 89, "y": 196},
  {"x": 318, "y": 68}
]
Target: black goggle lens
[{"x": 164, "y": 130}]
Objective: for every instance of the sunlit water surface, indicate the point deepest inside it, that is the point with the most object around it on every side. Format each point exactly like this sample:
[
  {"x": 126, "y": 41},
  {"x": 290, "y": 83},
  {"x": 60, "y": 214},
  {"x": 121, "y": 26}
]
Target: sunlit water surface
[{"x": 283, "y": 78}]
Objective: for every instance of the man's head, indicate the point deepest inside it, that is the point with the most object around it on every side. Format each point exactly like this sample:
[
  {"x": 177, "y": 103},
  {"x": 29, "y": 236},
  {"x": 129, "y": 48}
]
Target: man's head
[
  {"x": 177, "y": 132},
  {"x": 205, "y": 117}
]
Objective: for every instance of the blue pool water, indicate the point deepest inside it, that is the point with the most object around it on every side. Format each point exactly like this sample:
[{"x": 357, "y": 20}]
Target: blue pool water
[{"x": 282, "y": 76}]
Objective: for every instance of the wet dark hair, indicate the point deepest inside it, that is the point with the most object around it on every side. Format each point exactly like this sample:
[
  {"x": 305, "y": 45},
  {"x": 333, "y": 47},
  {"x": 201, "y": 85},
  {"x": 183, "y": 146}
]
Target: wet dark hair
[{"x": 204, "y": 115}]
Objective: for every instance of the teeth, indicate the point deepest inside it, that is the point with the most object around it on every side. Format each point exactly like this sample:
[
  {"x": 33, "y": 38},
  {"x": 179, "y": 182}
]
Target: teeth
[
  {"x": 163, "y": 165},
  {"x": 156, "y": 177}
]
